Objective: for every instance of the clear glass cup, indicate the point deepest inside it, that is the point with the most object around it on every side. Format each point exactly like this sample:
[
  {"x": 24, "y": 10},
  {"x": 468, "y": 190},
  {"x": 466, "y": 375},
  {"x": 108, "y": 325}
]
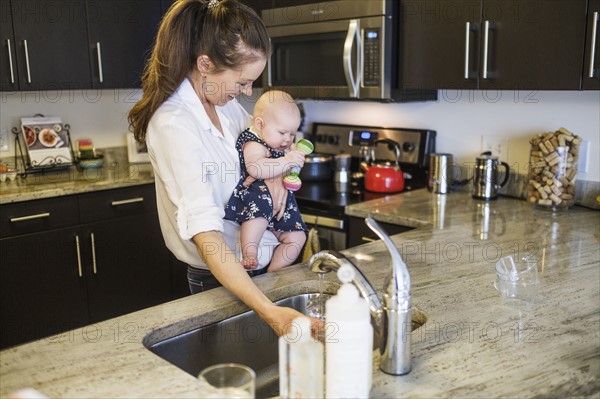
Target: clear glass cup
[
  {"x": 517, "y": 280},
  {"x": 227, "y": 380}
]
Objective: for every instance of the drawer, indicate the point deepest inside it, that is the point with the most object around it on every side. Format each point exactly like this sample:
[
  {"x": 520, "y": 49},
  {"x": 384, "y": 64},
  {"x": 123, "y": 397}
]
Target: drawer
[
  {"x": 102, "y": 205},
  {"x": 38, "y": 215}
]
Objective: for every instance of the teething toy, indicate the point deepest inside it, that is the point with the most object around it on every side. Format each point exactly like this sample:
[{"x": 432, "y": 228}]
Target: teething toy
[{"x": 292, "y": 181}]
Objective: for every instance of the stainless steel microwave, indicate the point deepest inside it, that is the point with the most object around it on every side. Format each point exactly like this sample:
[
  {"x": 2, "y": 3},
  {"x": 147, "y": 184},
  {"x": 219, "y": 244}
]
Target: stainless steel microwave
[{"x": 337, "y": 49}]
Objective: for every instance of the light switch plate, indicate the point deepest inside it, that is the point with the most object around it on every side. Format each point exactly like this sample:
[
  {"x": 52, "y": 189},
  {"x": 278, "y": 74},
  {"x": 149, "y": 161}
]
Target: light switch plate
[
  {"x": 584, "y": 154},
  {"x": 3, "y": 139}
]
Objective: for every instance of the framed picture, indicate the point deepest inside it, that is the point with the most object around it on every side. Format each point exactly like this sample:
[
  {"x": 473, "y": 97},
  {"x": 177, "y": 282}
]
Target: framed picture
[
  {"x": 136, "y": 152},
  {"x": 47, "y": 142}
]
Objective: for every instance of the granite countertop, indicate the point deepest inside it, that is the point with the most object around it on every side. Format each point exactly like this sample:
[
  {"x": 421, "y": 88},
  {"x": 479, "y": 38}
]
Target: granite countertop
[
  {"x": 471, "y": 345},
  {"x": 116, "y": 172}
]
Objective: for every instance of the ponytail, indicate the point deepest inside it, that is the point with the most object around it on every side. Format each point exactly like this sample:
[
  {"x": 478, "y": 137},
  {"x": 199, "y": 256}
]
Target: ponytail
[{"x": 228, "y": 32}]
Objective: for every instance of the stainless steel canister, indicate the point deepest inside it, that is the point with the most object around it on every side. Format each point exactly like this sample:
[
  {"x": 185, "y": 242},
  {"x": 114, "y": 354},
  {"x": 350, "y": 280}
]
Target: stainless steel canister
[
  {"x": 341, "y": 175},
  {"x": 440, "y": 173}
]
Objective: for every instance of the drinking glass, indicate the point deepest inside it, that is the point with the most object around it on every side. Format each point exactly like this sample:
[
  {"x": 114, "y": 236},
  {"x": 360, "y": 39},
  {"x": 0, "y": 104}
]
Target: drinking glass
[{"x": 517, "y": 280}]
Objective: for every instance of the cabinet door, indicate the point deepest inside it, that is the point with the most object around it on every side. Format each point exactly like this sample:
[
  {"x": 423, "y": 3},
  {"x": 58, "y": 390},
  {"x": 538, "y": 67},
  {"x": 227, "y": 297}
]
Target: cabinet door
[
  {"x": 433, "y": 44},
  {"x": 9, "y": 79},
  {"x": 127, "y": 265},
  {"x": 52, "y": 49},
  {"x": 41, "y": 289},
  {"x": 534, "y": 44},
  {"x": 591, "y": 62},
  {"x": 121, "y": 34}
]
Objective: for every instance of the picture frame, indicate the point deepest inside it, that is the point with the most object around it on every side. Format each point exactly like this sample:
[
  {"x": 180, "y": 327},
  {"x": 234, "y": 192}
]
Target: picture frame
[{"x": 136, "y": 152}]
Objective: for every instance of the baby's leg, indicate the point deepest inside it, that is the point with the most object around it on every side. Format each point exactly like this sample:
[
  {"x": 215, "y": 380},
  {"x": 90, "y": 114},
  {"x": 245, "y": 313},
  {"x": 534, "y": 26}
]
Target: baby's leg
[
  {"x": 251, "y": 231},
  {"x": 289, "y": 249}
]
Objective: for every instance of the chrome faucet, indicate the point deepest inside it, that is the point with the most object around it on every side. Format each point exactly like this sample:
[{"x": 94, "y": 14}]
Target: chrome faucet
[{"x": 392, "y": 318}]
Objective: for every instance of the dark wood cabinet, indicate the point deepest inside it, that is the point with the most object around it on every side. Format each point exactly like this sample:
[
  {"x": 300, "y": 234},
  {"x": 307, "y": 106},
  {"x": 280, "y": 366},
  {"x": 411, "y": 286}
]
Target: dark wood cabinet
[
  {"x": 51, "y": 44},
  {"x": 121, "y": 35},
  {"x": 359, "y": 233},
  {"x": 591, "y": 61},
  {"x": 42, "y": 291},
  {"x": 500, "y": 44},
  {"x": 75, "y": 260},
  {"x": 9, "y": 77}
]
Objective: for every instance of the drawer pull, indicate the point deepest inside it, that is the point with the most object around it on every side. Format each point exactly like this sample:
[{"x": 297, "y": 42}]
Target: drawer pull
[
  {"x": 127, "y": 201},
  {"x": 368, "y": 239},
  {"x": 93, "y": 252},
  {"x": 78, "y": 256},
  {"x": 30, "y": 217},
  {"x": 323, "y": 221}
]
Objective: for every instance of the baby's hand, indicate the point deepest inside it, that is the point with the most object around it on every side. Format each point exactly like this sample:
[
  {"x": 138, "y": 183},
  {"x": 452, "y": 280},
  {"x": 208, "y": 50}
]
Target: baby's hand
[{"x": 294, "y": 157}]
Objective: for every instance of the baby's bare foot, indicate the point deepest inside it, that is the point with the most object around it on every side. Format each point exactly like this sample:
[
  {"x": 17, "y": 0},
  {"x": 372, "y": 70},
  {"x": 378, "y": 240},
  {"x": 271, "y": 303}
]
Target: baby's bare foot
[{"x": 250, "y": 263}]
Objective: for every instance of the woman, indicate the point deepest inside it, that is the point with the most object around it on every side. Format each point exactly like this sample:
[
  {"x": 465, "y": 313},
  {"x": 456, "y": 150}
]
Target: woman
[{"x": 206, "y": 53}]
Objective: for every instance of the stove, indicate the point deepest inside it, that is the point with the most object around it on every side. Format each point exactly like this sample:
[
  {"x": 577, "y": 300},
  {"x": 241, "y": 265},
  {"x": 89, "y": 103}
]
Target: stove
[{"x": 323, "y": 207}]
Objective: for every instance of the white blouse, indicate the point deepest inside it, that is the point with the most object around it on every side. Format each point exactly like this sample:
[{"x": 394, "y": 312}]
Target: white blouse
[{"x": 196, "y": 169}]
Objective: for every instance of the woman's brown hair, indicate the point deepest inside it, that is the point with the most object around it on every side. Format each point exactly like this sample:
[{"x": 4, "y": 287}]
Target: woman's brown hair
[{"x": 228, "y": 32}]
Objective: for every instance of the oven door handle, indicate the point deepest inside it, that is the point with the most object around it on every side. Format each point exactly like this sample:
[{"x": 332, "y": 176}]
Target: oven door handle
[
  {"x": 353, "y": 35},
  {"x": 323, "y": 221}
]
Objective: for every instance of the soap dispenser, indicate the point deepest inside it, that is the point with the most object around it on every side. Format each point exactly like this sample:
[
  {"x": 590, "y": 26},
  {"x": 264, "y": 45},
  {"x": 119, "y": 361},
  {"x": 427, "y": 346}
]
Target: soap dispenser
[
  {"x": 348, "y": 342},
  {"x": 301, "y": 361}
]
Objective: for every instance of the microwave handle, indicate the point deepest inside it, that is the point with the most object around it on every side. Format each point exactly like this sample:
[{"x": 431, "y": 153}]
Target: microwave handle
[{"x": 353, "y": 34}]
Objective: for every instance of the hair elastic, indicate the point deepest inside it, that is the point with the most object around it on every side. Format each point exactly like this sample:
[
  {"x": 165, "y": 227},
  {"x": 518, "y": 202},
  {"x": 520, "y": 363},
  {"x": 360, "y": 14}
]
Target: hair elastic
[{"x": 212, "y": 4}]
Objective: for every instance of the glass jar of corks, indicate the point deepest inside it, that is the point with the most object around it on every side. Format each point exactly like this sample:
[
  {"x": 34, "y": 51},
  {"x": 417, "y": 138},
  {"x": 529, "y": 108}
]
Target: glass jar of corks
[{"x": 553, "y": 169}]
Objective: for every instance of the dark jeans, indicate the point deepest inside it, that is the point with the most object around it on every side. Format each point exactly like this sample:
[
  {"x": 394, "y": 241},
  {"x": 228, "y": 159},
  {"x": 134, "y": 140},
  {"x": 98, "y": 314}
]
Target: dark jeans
[{"x": 201, "y": 280}]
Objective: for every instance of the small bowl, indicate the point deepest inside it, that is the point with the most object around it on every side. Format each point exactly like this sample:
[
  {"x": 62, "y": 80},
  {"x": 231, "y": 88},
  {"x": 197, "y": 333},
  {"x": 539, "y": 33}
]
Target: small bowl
[{"x": 93, "y": 163}]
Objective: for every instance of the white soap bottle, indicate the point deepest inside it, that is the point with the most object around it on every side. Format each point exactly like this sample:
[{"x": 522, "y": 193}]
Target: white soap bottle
[
  {"x": 348, "y": 342},
  {"x": 300, "y": 362}
]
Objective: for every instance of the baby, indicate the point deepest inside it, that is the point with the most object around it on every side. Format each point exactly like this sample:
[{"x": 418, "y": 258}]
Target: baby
[{"x": 267, "y": 151}]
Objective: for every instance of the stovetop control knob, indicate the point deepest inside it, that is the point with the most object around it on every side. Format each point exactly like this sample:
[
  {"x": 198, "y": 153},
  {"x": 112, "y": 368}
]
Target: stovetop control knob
[
  {"x": 408, "y": 147},
  {"x": 334, "y": 140}
]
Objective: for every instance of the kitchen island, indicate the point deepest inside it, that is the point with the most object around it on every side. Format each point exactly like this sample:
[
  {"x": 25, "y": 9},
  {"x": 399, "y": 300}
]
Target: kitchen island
[{"x": 471, "y": 345}]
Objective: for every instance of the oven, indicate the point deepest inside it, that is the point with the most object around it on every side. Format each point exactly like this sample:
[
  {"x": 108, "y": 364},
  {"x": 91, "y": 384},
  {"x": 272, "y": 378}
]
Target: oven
[{"x": 323, "y": 208}]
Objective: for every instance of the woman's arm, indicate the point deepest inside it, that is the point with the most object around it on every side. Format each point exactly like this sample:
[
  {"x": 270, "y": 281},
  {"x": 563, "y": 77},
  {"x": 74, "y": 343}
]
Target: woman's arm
[
  {"x": 260, "y": 166},
  {"x": 222, "y": 262}
]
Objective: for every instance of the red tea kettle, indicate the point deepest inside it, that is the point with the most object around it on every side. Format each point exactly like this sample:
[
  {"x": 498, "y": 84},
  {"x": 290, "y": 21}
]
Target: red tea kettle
[{"x": 384, "y": 177}]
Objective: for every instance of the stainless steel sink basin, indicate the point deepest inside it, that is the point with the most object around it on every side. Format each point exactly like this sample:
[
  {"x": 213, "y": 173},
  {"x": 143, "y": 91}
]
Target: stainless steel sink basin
[{"x": 244, "y": 339}]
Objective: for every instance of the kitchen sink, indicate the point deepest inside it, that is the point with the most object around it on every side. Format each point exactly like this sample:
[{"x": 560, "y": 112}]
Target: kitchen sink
[{"x": 244, "y": 339}]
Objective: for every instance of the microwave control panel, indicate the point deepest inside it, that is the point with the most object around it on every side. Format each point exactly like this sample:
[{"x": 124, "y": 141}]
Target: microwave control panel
[{"x": 371, "y": 57}]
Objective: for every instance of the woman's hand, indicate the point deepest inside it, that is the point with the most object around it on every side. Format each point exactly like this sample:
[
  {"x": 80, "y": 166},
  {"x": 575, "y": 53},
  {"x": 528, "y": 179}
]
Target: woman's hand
[
  {"x": 278, "y": 194},
  {"x": 280, "y": 319}
]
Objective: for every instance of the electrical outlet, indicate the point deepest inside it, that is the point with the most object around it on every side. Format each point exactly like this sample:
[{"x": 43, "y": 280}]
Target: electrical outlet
[
  {"x": 497, "y": 145},
  {"x": 584, "y": 155},
  {"x": 3, "y": 139}
]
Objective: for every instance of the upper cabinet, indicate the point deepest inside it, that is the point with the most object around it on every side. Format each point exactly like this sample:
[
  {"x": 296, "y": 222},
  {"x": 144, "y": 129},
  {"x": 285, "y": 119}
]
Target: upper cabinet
[
  {"x": 499, "y": 44},
  {"x": 121, "y": 34},
  {"x": 64, "y": 44},
  {"x": 591, "y": 62},
  {"x": 51, "y": 49}
]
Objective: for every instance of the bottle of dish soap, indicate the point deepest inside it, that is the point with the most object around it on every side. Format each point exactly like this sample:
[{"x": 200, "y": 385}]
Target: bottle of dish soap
[
  {"x": 348, "y": 342},
  {"x": 300, "y": 362}
]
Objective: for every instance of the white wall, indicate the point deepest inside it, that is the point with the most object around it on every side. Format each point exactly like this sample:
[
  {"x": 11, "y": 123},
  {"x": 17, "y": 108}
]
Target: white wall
[{"x": 459, "y": 117}]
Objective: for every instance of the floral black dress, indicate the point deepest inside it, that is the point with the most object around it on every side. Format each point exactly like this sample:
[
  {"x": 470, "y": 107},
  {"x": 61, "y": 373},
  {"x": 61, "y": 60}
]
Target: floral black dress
[{"x": 254, "y": 201}]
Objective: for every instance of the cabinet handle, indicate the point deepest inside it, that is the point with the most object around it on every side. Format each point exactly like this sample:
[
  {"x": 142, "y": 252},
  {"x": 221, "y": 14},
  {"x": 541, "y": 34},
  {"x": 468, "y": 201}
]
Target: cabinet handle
[
  {"x": 127, "y": 201},
  {"x": 30, "y": 217},
  {"x": 78, "y": 256},
  {"x": 467, "y": 48},
  {"x": 486, "y": 31},
  {"x": 593, "y": 45},
  {"x": 368, "y": 239},
  {"x": 10, "y": 62},
  {"x": 100, "y": 72},
  {"x": 93, "y": 252},
  {"x": 27, "y": 61}
]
